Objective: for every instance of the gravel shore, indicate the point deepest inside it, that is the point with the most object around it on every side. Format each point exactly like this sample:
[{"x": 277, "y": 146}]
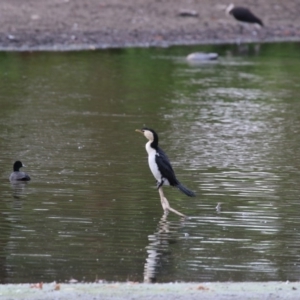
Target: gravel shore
[
  {"x": 94, "y": 24},
  {"x": 167, "y": 291}
]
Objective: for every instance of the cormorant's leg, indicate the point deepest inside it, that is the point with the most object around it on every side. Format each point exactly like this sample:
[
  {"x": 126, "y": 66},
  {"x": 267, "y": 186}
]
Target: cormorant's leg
[
  {"x": 165, "y": 203},
  {"x": 241, "y": 29},
  {"x": 159, "y": 184}
]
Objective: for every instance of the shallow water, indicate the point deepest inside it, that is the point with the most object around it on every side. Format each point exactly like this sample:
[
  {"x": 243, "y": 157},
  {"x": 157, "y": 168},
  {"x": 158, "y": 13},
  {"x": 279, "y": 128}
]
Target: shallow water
[{"x": 91, "y": 212}]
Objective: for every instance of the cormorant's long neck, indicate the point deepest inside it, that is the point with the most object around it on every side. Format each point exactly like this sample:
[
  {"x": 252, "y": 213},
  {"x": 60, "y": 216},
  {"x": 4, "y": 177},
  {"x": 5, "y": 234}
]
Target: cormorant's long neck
[{"x": 154, "y": 143}]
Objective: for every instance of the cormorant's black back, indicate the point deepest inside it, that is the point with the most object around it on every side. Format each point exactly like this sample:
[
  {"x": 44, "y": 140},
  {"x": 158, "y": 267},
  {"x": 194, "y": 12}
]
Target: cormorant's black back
[
  {"x": 165, "y": 167},
  {"x": 245, "y": 15}
]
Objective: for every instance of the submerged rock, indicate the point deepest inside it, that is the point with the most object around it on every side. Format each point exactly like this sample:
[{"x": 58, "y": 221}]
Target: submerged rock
[{"x": 202, "y": 56}]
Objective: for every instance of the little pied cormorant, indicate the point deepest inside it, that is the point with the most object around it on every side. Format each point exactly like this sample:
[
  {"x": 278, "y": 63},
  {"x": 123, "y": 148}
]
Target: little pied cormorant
[
  {"x": 243, "y": 14},
  {"x": 159, "y": 163},
  {"x": 17, "y": 175}
]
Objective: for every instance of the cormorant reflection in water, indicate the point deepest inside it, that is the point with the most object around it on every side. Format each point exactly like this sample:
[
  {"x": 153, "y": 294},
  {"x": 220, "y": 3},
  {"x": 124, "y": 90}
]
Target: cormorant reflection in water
[{"x": 158, "y": 249}]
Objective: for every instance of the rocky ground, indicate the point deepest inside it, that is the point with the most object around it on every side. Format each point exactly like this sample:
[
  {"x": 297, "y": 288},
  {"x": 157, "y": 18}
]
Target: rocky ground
[{"x": 83, "y": 24}]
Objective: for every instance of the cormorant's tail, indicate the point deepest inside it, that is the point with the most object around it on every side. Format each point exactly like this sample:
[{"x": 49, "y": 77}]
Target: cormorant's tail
[{"x": 186, "y": 191}]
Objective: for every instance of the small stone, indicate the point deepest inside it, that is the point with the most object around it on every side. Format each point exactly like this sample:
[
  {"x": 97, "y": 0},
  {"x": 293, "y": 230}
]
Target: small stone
[
  {"x": 188, "y": 13},
  {"x": 11, "y": 37},
  {"x": 35, "y": 17}
]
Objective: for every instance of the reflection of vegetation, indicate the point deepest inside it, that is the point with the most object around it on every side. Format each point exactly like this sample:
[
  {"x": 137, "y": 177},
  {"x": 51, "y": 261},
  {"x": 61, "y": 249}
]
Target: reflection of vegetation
[{"x": 4, "y": 239}]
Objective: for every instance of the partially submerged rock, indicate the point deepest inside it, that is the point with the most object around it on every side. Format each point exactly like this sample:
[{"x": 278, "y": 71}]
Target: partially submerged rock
[{"x": 202, "y": 56}]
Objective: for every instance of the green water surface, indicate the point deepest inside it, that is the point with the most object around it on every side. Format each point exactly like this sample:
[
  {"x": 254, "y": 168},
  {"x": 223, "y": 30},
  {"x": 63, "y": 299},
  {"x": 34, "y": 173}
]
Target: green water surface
[{"x": 91, "y": 211}]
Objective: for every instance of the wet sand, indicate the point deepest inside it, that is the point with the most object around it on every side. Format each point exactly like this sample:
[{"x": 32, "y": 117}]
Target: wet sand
[{"x": 93, "y": 24}]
